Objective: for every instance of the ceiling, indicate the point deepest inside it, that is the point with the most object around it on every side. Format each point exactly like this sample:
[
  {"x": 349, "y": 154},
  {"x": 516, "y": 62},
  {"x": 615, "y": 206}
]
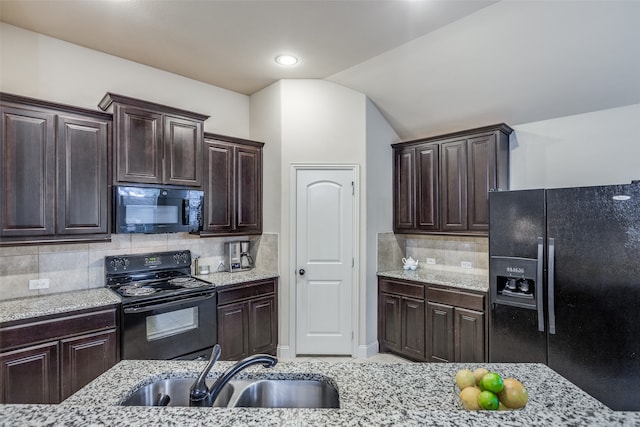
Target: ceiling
[{"x": 430, "y": 66}]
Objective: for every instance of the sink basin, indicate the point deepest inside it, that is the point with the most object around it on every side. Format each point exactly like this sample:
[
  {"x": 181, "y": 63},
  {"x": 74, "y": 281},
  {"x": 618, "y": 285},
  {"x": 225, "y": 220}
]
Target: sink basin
[
  {"x": 259, "y": 393},
  {"x": 286, "y": 394},
  {"x": 178, "y": 391}
]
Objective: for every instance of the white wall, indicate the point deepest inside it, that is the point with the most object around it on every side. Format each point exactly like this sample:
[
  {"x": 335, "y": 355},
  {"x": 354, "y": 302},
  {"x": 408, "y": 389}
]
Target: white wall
[
  {"x": 319, "y": 122},
  {"x": 42, "y": 67},
  {"x": 379, "y": 219},
  {"x": 597, "y": 148}
]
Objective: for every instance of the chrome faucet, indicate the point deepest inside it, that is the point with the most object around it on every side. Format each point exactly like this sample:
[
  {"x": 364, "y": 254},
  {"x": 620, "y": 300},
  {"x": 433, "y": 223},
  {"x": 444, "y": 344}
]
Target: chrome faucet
[{"x": 201, "y": 395}]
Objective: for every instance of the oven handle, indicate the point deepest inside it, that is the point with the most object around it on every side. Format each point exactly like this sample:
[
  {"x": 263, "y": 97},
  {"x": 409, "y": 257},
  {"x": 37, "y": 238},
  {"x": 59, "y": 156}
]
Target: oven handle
[{"x": 167, "y": 304}]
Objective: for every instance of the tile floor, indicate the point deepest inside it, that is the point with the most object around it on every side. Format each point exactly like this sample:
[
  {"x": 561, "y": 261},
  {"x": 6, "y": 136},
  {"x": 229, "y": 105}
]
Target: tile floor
[{"x": 376, "y": 358}]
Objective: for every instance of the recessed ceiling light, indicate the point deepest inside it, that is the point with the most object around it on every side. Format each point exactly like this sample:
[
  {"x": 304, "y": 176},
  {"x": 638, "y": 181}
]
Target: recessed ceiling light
[{"x": 286, "y": 60}]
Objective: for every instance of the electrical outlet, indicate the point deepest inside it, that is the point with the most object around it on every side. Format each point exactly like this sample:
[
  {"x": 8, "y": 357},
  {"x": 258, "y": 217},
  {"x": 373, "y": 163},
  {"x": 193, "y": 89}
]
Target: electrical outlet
[
  {"x": 466, "y": 264},
  {"x": 431, "y": 261},
  {"x": 38, "y": 284}
]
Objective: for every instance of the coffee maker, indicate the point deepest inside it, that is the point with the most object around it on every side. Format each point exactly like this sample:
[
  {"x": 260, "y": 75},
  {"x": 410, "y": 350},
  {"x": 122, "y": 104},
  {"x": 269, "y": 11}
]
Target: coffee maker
[{"x": 237, "y": 256}]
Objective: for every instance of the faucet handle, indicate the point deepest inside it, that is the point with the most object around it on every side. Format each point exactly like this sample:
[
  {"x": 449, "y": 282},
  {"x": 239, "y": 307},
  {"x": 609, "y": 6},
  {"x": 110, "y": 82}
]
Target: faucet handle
[{"x": 199, "y": 389}]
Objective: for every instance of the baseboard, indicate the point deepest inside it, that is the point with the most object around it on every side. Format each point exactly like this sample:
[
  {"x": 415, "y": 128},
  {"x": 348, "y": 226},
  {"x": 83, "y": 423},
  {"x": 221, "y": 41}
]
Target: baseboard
[
  {"x": 365, "y": 351},
  {"x": 284, "y": 352}
]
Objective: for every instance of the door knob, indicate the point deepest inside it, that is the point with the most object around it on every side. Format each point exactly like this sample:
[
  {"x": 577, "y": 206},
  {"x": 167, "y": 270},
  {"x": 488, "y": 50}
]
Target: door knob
[{"x": 301, "y": 271}]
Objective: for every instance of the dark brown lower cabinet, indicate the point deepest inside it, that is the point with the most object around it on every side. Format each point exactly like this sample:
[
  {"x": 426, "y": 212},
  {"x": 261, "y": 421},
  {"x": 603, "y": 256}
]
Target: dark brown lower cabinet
[
  {"x": 84, "y": 358},
  {"x": 46, "y": 360},
  {"x": 248, "y": 319},
  {"x": 455, "y": 325},
  {"x": 401, "y": 319},
  {"x": 425, "y": 322},
  {"x": 30, "y": 375}
]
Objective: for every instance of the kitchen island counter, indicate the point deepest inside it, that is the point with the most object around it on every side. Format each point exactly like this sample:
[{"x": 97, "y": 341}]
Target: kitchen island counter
[{"x": 370, "y": 394}]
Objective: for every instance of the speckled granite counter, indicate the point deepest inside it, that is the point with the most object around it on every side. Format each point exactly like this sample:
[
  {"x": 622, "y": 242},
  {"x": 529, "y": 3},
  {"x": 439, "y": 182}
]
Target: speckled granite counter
[
  {"x": 225, "y": 278},
  {"x": 370, "y": 394},
  {"x": 472, "y": 282},
  {"x": 44, "y": 305}
]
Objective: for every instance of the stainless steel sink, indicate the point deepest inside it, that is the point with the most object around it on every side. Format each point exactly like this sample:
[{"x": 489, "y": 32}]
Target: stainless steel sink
[
  {"x": 259, "y": 393},
  {"x": 177, "y": 389},
  {"x": 286, "y": 394}
]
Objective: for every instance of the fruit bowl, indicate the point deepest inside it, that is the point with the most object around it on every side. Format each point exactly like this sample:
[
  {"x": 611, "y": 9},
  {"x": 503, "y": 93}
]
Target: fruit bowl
[{"x": 484, "y": 390}]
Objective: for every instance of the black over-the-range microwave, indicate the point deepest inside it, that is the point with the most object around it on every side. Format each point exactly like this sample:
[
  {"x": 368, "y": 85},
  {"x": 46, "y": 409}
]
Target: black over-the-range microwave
[{"x": 157, "y": 210}]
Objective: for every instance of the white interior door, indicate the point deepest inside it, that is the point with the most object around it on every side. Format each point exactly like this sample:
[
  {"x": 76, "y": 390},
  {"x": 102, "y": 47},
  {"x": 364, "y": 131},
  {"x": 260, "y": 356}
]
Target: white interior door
[{"x": 325, "y": 256}]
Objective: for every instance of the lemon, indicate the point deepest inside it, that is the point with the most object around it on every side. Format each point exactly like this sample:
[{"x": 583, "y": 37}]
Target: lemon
[
  {"x": 464, "y": 379},
  {"x": 492, "y": 382},
  {"x": 513, "y": 395},
  {"x": 469, "y": 397},
  {"x": 479, "y": 373},
  {"x": 488, "y": 400}
]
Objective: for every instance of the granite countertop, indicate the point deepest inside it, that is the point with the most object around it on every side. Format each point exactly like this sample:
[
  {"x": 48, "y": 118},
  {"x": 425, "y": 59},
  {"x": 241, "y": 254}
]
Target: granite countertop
[
  {"x": 44, "y": 305},
  {"x": 474, "y": 282},
  {"x": 224, "y": 278},
  {"x": 370, "y": 394}
]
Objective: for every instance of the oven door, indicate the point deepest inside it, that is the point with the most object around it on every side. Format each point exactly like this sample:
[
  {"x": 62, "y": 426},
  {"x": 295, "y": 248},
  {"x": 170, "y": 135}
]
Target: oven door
[{"x": 169, "y": 329}]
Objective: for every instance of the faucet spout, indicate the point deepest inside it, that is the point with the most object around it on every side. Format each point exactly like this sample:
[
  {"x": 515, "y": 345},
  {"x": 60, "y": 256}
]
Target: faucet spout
[{"x": 266, "y": 360}]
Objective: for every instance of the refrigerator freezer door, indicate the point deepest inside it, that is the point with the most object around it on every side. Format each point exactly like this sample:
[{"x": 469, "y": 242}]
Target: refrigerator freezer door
[
  {"x": 517, "y": 221},
  {"x": 596, "y": 345}
]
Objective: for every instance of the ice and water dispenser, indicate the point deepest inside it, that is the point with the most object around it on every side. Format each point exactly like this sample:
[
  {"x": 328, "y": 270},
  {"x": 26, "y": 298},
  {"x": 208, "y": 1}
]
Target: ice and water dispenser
[{"x": 515, "y": 281}]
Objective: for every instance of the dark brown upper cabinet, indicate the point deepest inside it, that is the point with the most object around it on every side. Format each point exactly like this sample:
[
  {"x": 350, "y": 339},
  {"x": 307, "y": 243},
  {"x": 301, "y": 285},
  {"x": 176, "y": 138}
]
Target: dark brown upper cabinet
[
  {"x": 155, "y": 144},
  {"x": 442, "y": 183},
  {"x": 233, "y": 186},
  {"x": 55, "y": 175}
]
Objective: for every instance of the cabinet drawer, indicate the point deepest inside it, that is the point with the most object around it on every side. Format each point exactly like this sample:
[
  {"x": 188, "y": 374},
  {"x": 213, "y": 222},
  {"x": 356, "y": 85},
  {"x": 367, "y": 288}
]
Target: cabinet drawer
[
  {"x": 52, "y": 329},
  {"x": 246, "y": 291},
  {"x": 456, "y": 298},
  {"x": 402, "y": 288}
]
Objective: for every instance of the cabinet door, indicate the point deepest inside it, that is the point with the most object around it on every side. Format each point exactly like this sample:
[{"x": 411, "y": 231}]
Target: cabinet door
[
  {"x": 83, "y": 198},
  {"x": 248, "y": 189},
  {"x": 390, "y": 322},
  {"x": 482, "y": 178},
  {"x": 413, "y": 328},
  {"x": 218, "y": 187},
  {"x": 86, "y": 357},
  {"x": 139, "y": 145},
  {"x": 233, "y": 331},
  {"x": 263, "y": 325},
  {"x": 404, "y": 189},
  {"x": 427, "y": 184},
  {"x": 454, "y": 185},
  {"x": 469, "y": 336},
  {"x": 183, "y": 151},
  {"x": 30, "y": 375},
  {"x": 27, "y": 181},
  {"x": 440, "y": 340}
]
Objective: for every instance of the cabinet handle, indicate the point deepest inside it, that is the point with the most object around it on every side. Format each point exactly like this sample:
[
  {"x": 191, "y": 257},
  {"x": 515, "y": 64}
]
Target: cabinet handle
[{"x": 301, "y": 271}]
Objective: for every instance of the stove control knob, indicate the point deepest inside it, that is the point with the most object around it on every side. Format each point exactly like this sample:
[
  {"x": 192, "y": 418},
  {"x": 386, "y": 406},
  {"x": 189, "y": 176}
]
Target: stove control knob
[
  {"x": 119, "y": 263},
  {"x": 181, "y": 258}
]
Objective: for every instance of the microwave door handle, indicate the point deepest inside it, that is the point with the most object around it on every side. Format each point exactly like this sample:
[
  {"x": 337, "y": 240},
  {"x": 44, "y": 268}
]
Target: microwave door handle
[
  {"x": 161, "y": 306},
  {"x": 185, "y": 212}
]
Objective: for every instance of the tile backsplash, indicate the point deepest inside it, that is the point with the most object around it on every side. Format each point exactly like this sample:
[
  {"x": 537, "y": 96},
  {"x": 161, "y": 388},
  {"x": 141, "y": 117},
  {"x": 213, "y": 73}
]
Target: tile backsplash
[
  {"x": 81, "y": 265},
  {"x": 451, "y": 253}
]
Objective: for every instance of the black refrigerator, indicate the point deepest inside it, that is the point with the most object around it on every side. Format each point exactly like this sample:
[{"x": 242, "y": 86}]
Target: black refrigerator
[{"x": 564, "y": 281}]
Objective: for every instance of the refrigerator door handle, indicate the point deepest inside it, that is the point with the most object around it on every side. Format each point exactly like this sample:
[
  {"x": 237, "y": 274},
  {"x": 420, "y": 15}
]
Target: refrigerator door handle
[
  {"x": 539, "y": 297},
  {"x": 552, "y": 304}
]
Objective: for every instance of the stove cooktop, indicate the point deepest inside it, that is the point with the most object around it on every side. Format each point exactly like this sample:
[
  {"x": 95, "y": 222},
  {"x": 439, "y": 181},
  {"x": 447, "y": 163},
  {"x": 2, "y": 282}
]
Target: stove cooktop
[{"x": 152, "y": 276}]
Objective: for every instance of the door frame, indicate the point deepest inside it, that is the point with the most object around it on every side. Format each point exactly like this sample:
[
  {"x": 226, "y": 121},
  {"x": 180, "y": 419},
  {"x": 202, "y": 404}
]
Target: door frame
[{"x": 355, "y": 270}]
